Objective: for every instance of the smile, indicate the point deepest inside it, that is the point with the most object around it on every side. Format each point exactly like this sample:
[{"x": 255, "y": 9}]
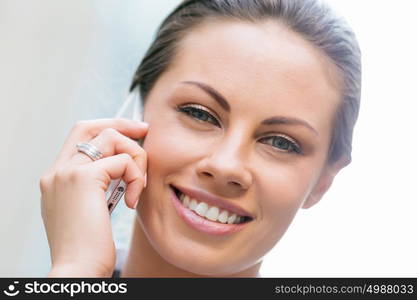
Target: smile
[
  {"x": 210, "y": 212},
  {"x": 207, "y": 218}
]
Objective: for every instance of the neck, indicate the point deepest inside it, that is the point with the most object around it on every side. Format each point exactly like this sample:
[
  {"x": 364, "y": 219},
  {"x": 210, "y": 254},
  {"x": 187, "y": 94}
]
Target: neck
[{"x": 143, "y": 261}]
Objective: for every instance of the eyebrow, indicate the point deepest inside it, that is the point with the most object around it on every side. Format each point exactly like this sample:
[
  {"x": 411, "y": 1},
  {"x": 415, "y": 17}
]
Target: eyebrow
[
  {"x": 212, "y": 92},
  {"x": 276, "y": 120}
]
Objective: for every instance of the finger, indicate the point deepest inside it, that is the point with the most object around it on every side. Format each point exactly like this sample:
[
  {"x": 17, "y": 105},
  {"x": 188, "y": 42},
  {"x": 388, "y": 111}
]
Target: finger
[
  {"x": 87, "y": 130},
  {"x": 111, "y": 142},
  {"x": 122, "y": 166}
]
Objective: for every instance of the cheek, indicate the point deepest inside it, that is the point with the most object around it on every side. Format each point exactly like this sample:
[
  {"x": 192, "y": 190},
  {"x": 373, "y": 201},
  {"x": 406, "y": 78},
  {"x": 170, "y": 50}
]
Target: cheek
[
  {"x": 282, "y": 193},
  {"x": 170, "y": 147}
]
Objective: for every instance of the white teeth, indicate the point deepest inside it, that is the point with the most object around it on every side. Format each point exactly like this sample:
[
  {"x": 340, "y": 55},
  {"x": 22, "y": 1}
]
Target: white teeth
[
  {"x": 186, "y": 200},
  {"x": 201, "y": 209},
  {"x": 223, "y": 216},
  {"x": 231, "y": 219},
  {"x": 193, "y": 204},
  {"x": 212, "y": 213}
]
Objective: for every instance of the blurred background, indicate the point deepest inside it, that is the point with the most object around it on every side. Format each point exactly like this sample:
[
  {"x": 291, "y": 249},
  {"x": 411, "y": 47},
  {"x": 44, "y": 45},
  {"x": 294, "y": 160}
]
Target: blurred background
[{"x": 63, "y": 61}]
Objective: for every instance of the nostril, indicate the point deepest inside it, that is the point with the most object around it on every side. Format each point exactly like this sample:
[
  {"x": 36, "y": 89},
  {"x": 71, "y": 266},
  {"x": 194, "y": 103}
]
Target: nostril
[{"x": 208, "y": 174}]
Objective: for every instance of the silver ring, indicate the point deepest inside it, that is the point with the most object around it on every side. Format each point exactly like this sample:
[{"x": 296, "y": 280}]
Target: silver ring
[{"x": 90, "y": 150}]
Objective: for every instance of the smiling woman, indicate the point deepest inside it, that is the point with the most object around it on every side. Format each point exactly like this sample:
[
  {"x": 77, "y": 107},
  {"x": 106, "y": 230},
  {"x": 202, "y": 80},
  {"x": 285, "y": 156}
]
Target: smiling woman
[{"x": 251, "y": 107}]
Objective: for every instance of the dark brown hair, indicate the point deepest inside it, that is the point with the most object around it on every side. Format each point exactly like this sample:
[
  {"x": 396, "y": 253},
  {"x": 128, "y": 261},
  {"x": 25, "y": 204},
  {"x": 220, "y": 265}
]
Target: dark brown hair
[{"x": 312, "y": 19}]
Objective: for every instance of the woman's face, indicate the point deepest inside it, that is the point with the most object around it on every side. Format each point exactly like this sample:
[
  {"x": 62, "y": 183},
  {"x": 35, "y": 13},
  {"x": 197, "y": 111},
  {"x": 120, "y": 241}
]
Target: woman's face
[{"x": 261, "y": 147}]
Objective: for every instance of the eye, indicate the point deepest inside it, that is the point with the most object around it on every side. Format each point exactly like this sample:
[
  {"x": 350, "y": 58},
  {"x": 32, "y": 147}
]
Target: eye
[
  {"x": 198, "y": 112},
  {"x": 283, "y": 144}
]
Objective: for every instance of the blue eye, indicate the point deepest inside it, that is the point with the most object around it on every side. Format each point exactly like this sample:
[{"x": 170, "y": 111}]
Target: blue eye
[
  {"x": 199, "y": 114},
  {"x": 283, "y": 144}
]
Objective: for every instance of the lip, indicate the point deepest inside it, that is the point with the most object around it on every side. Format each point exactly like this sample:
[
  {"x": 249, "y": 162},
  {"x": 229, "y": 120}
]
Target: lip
[
  {"x": 201, "y": 224},
  {"x": 212, "y": 200}
]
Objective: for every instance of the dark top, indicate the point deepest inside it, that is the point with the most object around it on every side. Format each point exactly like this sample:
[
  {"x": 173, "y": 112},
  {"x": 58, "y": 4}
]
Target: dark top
[
  {"x": 116, "y": 274},
  {"x": 120, "y": 259}
]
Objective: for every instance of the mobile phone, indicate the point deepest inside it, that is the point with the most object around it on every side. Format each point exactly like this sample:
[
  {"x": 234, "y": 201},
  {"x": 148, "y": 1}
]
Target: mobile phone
[
  {"x": 117, "y": 187},
  {"x": 114, "y": 193}
]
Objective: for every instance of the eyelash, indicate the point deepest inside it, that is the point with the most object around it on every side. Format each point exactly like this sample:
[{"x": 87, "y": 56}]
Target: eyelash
[
  {"x": 197, "y": 108},
  {"x": 295, "y": 148}
]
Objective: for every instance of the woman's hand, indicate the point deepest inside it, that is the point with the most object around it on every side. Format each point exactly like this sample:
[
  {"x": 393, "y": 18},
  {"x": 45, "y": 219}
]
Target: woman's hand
[{"x": 74, "y": 208}]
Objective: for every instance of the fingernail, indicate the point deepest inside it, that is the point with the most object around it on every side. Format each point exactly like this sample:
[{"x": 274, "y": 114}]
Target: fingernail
[
  {"x": 136, "y": 203},
  {"x": 143, "y": 124},
  {"x": 144, "y": 185}
]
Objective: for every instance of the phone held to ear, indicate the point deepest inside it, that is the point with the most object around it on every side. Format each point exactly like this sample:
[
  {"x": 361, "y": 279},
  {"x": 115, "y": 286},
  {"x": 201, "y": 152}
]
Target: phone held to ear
[
  {"x": 117, "y": 187},
  {"x": 114, "y": 192}
]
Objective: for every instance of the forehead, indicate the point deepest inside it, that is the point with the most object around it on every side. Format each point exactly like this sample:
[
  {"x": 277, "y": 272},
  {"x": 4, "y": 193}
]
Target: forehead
[{"x": 264, "y": 61}]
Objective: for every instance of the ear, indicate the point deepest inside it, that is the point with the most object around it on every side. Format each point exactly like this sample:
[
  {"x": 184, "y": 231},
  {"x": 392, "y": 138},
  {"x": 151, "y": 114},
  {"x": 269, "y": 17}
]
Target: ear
[{"x": 325, "y": 181}]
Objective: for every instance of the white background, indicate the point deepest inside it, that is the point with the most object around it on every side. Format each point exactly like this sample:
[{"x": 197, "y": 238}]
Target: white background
[{"x": 61, "y": 61}]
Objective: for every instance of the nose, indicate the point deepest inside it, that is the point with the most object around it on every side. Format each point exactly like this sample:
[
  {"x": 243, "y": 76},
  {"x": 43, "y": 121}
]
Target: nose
[{"x": 226, "y": 164}]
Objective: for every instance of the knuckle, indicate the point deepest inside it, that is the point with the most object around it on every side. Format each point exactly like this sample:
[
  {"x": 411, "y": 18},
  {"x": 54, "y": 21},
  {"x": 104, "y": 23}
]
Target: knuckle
[
  {"x": 125, "y": 157},
  {"x": 110, "y": 132},
  {"x": 142, "y": 151},
  {"x": 68, "y": 174},
  {"x": 45, "y": 182},
  {"x": 141, "y": 154},
  {"x": 61, "y": 174}
]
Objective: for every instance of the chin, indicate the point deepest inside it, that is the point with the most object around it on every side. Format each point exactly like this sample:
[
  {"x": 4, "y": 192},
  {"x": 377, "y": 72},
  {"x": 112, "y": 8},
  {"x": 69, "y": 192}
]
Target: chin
[
  {"x": 189, "y": 261},
  {"x": 189, "y": 251},
  {"x": 190, "y": 255}
]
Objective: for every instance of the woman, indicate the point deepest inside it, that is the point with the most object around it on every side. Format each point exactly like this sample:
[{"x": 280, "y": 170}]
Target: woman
[{"x": 249, "y": 109}]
